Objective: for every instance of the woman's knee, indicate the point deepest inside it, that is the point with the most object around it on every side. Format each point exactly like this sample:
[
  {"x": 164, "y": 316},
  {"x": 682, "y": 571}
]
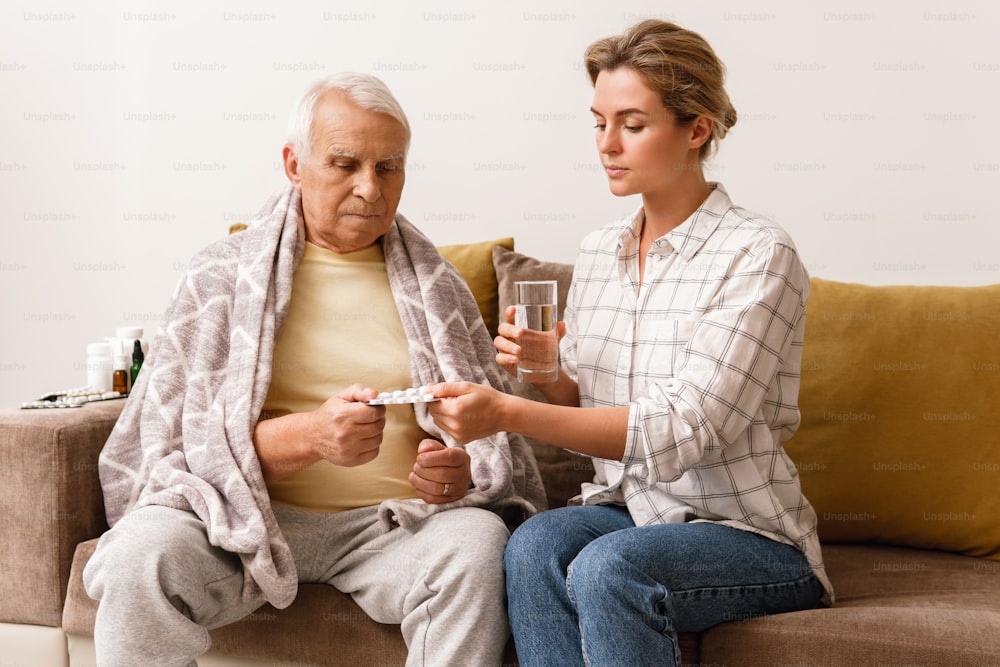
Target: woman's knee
[
  {"x": 558, "y": 535},
  {"x": 538, "y": 535},
  {"x": 598, "y": 570}
]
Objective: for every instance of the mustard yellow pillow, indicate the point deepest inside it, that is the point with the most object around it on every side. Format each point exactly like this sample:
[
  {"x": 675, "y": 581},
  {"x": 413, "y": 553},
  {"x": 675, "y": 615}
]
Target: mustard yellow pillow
[
  {"x": 475, "y": 262},
  {"x": 900, "y": 434}
]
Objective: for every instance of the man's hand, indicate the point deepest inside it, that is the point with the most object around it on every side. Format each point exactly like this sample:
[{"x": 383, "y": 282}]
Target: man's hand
[
  {"x": 346, "y": 431},
  {"x": 441, "y": 474}
]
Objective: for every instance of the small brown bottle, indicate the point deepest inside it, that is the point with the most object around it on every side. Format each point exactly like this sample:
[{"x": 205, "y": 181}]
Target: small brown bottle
[{"x": 119, "y": 378}]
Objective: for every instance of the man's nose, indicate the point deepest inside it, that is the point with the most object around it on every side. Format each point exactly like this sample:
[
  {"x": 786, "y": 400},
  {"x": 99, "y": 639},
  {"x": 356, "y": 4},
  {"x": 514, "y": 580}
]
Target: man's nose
[{"x": 366, "y": 185}]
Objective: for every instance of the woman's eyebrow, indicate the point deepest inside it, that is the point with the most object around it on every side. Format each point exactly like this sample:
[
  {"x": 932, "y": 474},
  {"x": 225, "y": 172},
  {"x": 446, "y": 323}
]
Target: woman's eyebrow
[{"x": 624, "y": 112}]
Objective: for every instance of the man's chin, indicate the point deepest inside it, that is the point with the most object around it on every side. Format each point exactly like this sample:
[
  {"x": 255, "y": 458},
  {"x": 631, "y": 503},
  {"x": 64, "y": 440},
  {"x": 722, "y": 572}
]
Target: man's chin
[{"x": 345, "y": 243}]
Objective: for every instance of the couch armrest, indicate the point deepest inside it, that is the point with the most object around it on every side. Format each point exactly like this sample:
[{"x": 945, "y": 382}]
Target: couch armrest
[{"x": 50, "y": 500}]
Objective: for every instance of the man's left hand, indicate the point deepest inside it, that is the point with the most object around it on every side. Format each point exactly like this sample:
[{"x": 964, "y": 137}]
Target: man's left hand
[{"x": 441, "y": 474}]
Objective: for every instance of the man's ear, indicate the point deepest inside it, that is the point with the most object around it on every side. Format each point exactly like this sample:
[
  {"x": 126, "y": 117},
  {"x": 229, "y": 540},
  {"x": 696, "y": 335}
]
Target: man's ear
[
  {"x": 701, "y": 131},
  {"x": 291, "y": 165}
]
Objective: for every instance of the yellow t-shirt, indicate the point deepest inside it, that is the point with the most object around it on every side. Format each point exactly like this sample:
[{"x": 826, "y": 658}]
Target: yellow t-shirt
[{"x": 343, "y": 328}]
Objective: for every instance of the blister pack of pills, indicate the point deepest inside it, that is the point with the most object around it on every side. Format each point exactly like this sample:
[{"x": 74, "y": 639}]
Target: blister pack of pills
[
  {"x": 70, "y": 398},
  {"x": 45, "y": 405},
  {"x": 411, "y": 395}
]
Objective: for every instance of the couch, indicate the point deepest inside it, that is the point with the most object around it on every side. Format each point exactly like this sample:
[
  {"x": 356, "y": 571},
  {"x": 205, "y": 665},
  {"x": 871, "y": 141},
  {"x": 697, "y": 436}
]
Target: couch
[{"x": 898, "y": 450}]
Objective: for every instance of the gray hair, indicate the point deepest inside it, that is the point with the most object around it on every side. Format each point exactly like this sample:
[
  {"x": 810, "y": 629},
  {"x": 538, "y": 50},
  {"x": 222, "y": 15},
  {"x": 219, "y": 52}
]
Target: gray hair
[{"x": 367, "y": 91}]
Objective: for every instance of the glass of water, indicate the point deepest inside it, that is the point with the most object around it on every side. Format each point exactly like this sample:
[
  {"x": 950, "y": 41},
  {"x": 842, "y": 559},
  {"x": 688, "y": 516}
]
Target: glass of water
[{"x": 536, "y": 310}]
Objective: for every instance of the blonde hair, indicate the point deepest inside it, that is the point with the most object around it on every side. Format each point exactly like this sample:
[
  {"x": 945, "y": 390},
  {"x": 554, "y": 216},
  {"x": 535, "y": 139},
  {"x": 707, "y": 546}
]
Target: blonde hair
[{"x": 676, "y": 63}]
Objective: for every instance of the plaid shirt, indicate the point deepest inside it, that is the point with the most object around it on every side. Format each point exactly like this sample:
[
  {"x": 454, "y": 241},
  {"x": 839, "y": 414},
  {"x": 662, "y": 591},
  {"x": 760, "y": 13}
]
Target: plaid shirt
[{"x": 705, "y": 351}]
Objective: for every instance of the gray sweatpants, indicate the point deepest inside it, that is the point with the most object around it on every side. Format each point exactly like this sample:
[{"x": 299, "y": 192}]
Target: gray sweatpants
[{"x": 161, "y": 585}]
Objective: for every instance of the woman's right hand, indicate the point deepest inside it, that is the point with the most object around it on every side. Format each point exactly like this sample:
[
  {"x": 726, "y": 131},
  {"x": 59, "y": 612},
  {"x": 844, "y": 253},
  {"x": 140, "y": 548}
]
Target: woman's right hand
[
  {"x": 467, "y": 411},
  {"x": 508, "y": 342}
]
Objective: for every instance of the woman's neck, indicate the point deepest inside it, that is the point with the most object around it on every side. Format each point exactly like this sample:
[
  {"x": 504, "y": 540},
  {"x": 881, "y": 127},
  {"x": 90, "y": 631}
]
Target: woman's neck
[{"x": 666, "y": 210}]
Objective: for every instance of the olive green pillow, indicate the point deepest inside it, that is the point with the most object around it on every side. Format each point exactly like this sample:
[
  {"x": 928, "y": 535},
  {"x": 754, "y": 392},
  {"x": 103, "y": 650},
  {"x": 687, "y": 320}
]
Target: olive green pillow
[
  {"x": 900, "y": 435},
  {"x": 475, "y": 262}
]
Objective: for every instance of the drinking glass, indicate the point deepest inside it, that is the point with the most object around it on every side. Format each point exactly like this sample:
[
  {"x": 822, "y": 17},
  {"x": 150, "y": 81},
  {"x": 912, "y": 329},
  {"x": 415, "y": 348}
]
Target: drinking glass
[{"x": 535, "y": 302}]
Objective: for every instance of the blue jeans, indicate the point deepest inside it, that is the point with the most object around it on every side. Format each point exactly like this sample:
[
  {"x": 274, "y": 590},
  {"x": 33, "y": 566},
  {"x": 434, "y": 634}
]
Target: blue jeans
[{"x": 585, "y": 586}]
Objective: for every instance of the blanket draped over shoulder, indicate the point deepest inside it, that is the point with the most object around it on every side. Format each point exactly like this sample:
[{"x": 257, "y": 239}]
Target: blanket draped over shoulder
[{"x": 184, "y": 438}]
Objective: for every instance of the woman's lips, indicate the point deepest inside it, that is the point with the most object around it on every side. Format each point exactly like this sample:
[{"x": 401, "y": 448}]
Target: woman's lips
[{"x": 614, "y": 170}]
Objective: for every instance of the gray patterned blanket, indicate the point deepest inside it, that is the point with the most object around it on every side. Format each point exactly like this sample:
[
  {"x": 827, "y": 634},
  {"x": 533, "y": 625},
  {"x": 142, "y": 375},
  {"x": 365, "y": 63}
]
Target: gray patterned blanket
[{"x": 184, "y": 438}]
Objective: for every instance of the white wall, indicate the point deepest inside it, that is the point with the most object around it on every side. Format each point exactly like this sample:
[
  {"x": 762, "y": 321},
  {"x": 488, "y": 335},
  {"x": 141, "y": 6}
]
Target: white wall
[{"x": 133, "y": 133}]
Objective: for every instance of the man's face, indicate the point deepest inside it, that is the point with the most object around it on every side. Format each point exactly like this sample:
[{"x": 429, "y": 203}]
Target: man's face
[{"x": 352, "y": 178}]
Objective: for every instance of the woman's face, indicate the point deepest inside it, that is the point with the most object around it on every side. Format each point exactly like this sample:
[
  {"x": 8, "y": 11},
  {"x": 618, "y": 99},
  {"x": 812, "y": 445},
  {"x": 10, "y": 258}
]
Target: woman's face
[{"x": 643, "y": 150}]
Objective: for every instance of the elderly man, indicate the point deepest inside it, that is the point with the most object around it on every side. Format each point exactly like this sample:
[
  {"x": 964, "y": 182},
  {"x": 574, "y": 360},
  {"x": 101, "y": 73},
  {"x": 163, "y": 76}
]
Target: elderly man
[{"x": 248, "y": 459}]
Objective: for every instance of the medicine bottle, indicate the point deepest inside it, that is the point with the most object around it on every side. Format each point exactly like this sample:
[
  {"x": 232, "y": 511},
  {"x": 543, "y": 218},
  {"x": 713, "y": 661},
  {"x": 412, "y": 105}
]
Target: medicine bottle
[
  {"x": 137, "y": 358},
  {"x": 119, "y": 381},
  {"x": 124, "y": 340},
  {"x": 99, "y": 366}
]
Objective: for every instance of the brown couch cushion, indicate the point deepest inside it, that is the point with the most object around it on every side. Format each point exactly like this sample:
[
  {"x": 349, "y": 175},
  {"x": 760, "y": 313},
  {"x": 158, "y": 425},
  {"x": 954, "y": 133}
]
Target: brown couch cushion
[
  {"x": 895, "y": 606},
  {"x": 900, "y": 435},
  {"x": 54, "y": 453}
]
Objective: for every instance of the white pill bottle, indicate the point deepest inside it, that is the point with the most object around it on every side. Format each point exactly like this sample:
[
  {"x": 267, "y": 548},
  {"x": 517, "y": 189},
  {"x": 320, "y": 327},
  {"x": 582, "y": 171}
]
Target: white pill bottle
[{"x": 99, "y": 366}]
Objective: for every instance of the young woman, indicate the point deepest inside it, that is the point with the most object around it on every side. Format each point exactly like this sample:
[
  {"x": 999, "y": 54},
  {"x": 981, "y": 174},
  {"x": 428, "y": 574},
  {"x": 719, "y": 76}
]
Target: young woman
[{"x": 680, "y": 357}]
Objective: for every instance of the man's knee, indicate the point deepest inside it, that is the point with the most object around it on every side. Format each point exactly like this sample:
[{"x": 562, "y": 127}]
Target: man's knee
[
  {"x": 466, "y": 555},
  {"x": 148, "y": 543},
  {"x": 475, "y": 536}
]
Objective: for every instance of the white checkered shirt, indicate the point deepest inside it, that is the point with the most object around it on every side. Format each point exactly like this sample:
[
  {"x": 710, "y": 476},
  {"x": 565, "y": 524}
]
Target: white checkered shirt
[{"x": 706, "y": 353}]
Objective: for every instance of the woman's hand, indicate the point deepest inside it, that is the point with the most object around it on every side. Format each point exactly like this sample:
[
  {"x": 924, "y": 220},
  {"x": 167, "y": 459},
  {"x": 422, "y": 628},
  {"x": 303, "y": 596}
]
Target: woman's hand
[
  {"x": 467, "y": 411},
  {"x": 509, "y": 343},
  {"x": 441, "y": 474}
]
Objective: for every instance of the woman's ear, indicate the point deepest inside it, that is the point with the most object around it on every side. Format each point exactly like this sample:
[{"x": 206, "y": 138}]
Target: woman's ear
[{"x": 701, "y": 131}]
